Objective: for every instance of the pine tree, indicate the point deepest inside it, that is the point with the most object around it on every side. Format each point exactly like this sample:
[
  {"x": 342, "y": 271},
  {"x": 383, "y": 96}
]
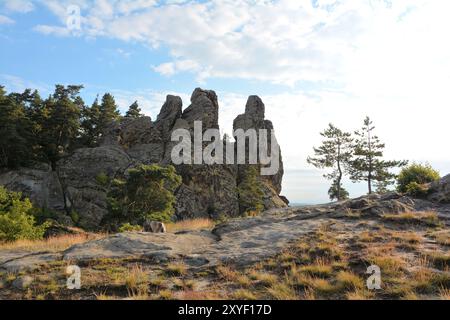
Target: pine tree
[
  {"x": 62, "y": 124},
  {"x": 134, "y": 111},
  {"x": 334, "y": 153},
  {"x": 368, "y": 164},
  {"x": 16, "y": 138},
  {"x": 108, "y": 113},
  {"x": 90, "y": 125}
]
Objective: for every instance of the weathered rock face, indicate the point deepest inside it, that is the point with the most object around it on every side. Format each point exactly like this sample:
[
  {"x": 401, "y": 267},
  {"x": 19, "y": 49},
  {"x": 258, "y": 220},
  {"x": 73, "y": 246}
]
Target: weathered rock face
[
  {"x": 254, "y": 118},
  {"x": 440, "y": 190},
  {"x": 79, "y": 177},
  {"x": 204, "y": 107},
  {"x": 171, "y": 111},
  {"x": 206, "y": 191},
  {"x": 40, "y": 184}
]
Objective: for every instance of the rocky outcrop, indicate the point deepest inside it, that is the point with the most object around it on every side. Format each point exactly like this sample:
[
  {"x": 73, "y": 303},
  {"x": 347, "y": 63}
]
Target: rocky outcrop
[
  {"x": 41, "y": 185},
  {"x": 79, "y": 174},
  {"x": 207, "y": 191},
  {"x": 204, "y": 107},
  {"x": 76, "y": 188},
  {"x": 254, "y": 118},
  {"x": 440, "y": 190}
]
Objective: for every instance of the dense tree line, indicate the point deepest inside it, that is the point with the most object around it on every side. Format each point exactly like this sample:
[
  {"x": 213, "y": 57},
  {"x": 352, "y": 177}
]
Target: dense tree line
[{"x": 33, "y": 129}]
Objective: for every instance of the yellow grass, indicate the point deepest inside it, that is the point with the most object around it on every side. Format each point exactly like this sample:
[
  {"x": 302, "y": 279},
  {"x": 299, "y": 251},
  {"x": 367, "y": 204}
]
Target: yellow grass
[
  {"x": 136, "y": 281},
  {"x": 427, "y": 218},
  {"x": 53, "y": 244},
  {"x": 189, "y": 225}
]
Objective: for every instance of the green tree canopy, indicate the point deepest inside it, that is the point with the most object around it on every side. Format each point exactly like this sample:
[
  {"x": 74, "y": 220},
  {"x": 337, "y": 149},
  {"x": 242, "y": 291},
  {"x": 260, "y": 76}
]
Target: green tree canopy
[
  {"x": 61, "y": 125},
  {"x": 147, "y": 193},
  {"x": 109, "y": 112},
  {"x": 368, "y": 163},
  {"x": 338, "y": 192},
  {"x": 134, "y": 111},
  {"x": 335, "y": 153}
]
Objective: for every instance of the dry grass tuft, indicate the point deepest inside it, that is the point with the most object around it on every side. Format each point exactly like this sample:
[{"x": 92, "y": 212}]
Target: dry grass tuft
[
  {"x": 54, "y": 244},
  {"x": 190, "y": 225},
  {"x": 444, "y": 293},
  {"x": 175, "y": 269},
  {"x": 243, "y": 294},
  {"x": 282, "y": 291},
  {"x": 136, "y": 281},
  {"x": 349, "y": 280},
  {"x": 426, "y": 218}
]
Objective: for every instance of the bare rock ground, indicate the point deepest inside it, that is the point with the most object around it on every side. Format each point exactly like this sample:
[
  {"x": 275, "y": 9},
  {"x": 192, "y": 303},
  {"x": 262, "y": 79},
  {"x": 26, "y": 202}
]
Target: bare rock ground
[{"x": 240, "y": 241}]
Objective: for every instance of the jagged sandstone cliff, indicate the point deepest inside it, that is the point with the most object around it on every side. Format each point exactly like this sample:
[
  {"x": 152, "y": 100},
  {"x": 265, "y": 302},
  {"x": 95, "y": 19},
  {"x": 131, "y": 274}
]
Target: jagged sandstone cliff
[{"x": 206, "y": 191}]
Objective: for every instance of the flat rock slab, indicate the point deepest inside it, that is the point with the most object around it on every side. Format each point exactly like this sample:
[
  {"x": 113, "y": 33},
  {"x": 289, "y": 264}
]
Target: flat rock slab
[
  {"x": 28, "y": 261},
  {"x": 159, "y": 246}
]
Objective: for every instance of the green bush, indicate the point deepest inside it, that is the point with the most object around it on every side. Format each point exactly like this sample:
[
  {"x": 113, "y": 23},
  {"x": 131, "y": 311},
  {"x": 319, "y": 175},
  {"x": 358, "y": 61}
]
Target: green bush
[
  {"x": 16, "y": 222},
  {"x": 75, "y": 217},
  {"x": 417, "y": 190},
  {"x": 164, "y": 216},
  {"x": 147, "y": 193},
  {"x": 416, "y": 174},
  {"x": 127, "y": 227}
]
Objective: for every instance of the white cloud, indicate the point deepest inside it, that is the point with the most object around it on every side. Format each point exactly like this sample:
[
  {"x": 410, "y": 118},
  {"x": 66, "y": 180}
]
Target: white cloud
[
  {"x": 284, "y": 41},
  {"x": 6, "y": 20},
  {"x": 22, "y": 6},
  {"x": 53, "y": 30}
]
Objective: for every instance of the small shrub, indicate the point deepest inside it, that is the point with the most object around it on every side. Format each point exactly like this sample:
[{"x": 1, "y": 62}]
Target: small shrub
[
  {"x": 127, "y": 227},
  {"x": 417, "y": 190},
  {"x": 75, "y": 217},
  {"x": 102, "y": 179},
  {"x": 420, "y": 174},
  {"x": 16, "y": 222}
]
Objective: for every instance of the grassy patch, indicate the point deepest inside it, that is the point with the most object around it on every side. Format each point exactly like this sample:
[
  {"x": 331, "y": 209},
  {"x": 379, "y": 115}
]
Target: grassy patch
[
  {"x": 136, "y": 281},
  {"x": 424, "y": 218},
  {"x": 175, "y": 269},
  {"x": 53, "y": 244},
  {"x": 190, "y": 225}
]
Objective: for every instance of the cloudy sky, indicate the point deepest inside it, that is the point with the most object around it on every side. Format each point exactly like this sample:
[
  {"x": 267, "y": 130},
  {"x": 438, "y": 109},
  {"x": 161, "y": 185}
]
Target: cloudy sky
[{"x": 312, "y": 62}]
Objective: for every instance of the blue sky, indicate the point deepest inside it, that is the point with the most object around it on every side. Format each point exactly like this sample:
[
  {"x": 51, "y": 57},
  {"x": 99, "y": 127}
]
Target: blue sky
[{"x": 312, "y": 62}]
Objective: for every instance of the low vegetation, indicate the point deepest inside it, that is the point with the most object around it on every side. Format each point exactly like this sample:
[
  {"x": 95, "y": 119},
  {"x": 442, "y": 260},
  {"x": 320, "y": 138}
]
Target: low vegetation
[
  {"x": 16, "y": 220},
  {"x": 328, "y": 263},
  {"x": 413, "y": 178},
  {"x": 425, "y": 218}
]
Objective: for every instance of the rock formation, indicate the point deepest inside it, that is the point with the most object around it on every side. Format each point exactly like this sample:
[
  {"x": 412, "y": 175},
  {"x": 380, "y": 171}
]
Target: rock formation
[
  {"x": 206, "y": 191},
  {"x": 440, "y": 190}
]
